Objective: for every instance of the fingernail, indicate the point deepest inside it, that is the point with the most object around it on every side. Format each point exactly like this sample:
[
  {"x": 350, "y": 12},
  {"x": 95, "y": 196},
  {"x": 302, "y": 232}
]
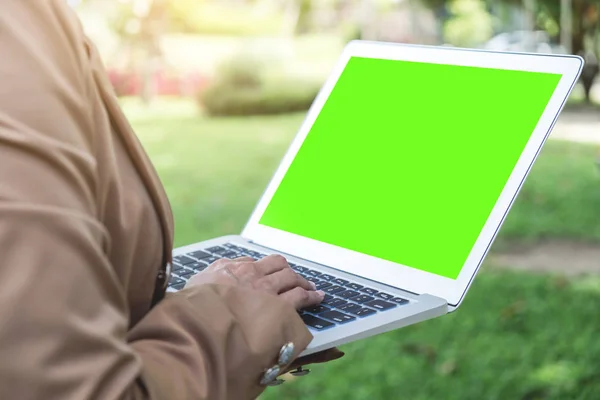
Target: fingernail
[
  {"x": 321, "y": 293},
  {"x": 313, "y": 286}
]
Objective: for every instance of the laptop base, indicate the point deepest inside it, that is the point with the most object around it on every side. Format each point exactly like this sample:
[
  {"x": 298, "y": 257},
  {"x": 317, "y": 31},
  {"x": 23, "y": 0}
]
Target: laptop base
[{"x": 354, "y": 308}]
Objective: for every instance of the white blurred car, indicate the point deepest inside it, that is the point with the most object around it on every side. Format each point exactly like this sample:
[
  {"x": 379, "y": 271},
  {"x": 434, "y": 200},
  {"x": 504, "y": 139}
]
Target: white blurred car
[{"x": 524, "y": 41}]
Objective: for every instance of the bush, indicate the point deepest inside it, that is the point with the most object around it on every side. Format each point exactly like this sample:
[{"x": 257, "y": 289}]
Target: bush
[
  {"x": 271, "y": 98},
  {"x": 243, "y": 88}
]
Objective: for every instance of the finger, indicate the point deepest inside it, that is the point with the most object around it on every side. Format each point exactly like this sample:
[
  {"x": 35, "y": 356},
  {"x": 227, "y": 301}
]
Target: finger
[
  {"x": 271, "y": 264},
  {"x": 229, "y": 266},
  {"x": 219, "y": 263},
  {"x": 302, "y": 298},
  {"x": 243, "y": 259},
  {"x": 287, "y": 279}
]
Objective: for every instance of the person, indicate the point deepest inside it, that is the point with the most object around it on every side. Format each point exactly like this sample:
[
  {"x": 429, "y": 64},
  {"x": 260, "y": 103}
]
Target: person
[{"x": 86, "y": 237}]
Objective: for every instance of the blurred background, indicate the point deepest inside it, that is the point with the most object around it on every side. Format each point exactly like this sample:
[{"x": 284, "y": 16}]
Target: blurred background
[{"x": 216, "y": 90}]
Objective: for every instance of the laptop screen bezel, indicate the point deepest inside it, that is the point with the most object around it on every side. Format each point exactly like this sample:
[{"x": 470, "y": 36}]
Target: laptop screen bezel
[{"x": 387, "y": 272}]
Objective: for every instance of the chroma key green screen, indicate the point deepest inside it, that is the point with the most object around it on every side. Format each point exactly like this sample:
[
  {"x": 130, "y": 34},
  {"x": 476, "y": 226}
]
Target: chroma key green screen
[{"x": 406, "y": 160}]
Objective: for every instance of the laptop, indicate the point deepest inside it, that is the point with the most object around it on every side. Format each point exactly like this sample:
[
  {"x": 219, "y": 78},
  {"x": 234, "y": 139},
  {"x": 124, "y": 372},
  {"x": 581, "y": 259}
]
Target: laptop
[{"x": 398, "y": 181}]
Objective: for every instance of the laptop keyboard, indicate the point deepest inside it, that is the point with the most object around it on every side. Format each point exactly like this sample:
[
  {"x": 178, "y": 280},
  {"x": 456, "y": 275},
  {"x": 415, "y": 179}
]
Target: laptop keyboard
[{"x": 344, "y": 302}]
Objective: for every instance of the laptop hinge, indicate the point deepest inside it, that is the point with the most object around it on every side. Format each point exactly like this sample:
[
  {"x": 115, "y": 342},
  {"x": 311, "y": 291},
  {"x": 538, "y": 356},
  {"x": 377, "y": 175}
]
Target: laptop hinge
[{"x": 327, "y": 266}]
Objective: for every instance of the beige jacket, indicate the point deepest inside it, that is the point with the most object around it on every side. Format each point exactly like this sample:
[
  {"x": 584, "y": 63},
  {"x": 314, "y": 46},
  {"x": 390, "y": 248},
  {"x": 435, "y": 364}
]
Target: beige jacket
[{"x": 85, "y": 234}]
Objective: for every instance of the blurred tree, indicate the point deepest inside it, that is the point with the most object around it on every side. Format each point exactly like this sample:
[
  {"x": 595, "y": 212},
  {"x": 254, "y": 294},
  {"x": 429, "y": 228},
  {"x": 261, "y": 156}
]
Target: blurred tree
[
  {"x": 469, "y": 24},
  {"x": 585, "y": 28},
  {"x": 140, "y": 24}
]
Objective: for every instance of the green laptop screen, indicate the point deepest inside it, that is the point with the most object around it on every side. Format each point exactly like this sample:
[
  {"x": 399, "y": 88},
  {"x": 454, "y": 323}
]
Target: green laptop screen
[{"x": 406, "y": 160}]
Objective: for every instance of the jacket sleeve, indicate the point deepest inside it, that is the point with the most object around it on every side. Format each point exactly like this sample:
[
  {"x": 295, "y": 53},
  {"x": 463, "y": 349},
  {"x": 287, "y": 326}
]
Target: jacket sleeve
[{"x": 63, "y": 312}]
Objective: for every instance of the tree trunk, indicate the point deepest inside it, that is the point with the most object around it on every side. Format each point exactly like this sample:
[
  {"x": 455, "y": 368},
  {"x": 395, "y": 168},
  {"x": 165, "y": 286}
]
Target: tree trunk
[
  {"x": 368, "y": 28},
  {"x": 291, "y": 17},
  {"x": 590, "y": 69},
  {"x": 148, "y": 92}
]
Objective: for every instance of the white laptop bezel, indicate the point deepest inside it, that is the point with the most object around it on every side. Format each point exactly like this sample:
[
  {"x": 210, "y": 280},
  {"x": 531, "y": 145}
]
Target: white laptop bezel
[{"x": 390, "y": 273}]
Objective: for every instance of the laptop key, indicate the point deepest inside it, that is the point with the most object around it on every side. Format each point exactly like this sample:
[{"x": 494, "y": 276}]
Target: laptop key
[
  {"x": 334, "y": 289},
  {"x": 217, "y": 249},
  {"x": 299, "y": 268},
  {"x": 322, "y": 285},
  {"x": 198, "y": 267},
  {"x": 184, "y": 260},
  {"x": 175, "y": 281},
  {"x": 176, "y": 266},
  {"x": 365, "y": 312},
  {"x": 211, "y": 260},
  {"x": 351, "y": 308},
  {"x": 354, "y": 286},
  {"x": 200, "y": 254},
  {"x": 312, "y": 272},
  {"x": 363, "y": 298},
  {"x": 327, "y": 298},
  {"x": 177, "y": 274},
  {"x": 340, "y": 282},
  {"x": 384, "y": 296},
  {"x": 233, "y": 248},
  {"x": 187, "y": 274},
  {"x": 230, "y": 254},
  {"x": 315, "y": 322},
  {"x": 400, "y": 300},
  {"x": 369, "y": 291},
  {"x": 312, "y": 279},
  {"x": 327, "y": 277},
  {"x": 380, "y": 305},
  {"x": 336, "y": 303},
  {"x": 317, "y": 309},
  {"x": 337, "y": 316},
  {"x": 348, "y": 294}
]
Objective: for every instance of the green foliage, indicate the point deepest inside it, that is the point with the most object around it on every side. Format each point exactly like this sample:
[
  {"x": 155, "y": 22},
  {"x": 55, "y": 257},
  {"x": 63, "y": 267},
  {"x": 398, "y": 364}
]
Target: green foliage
[
  {"x": 271, "y": 98},
  {"x": 560, "y": 198},
  {"x": 470, "y": 24},
  {"x": 212, "y": 18},
  {"x": 243, "y": 87},
  {"x": 242, "y": 71}
]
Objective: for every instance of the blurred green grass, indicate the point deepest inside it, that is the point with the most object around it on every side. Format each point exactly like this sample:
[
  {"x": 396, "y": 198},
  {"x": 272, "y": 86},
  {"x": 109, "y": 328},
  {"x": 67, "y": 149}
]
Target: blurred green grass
[
  {"x": 517, "y": 336},
  {"x": 214, "y": 170},
  {"x": 560, "y": 198}
]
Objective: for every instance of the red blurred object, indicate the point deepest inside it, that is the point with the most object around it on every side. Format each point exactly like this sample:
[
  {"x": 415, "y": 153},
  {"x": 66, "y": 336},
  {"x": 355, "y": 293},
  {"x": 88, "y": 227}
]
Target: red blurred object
[{"x": 127, "y": 83}]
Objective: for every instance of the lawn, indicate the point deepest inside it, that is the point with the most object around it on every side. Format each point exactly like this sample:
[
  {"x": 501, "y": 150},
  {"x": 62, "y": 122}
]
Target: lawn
[
  {"x": 213, "y": 170},
  {"x": 518, "y": 336}
]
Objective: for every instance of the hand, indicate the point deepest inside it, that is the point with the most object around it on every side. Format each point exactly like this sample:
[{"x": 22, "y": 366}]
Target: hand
[{"x": 271, "y": 274}]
